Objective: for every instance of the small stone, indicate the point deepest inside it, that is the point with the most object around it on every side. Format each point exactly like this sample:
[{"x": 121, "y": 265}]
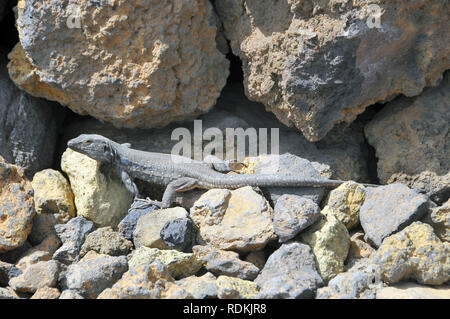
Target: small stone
[
  {"x": 99, "y": 196},
  {"x": 42, "y": 252},
  {"x": 46, "y": 293},
  {"x": 93, "y": 274},
  {"x": 345, "y": 203},
  {"x": 70, "y": 294},
  {"x": 14, "y": 255},
  {"x": 16, "y": 207},
  {"x": 53, "y": 195},
  {"x": 8, "y": 293},
  {"x": 292, "y": 214},
  {"x": 440, "y": 220},
  {"x": 414, "y": 253},
  {"x": 235, "y": 288},
  {"x": 358, "y": 248},
  {"x": 178, "y": 264},
  {"x": 257, "y": 258},
  {"x": 148, "y": 229},
  {"x": 290, "y": 272},
  {"x": 233, "y": 220},
  {"x": 179, "y": 234},
  {"x": 73, "y": 235},
  {"x": 204, "y": 287},
  {"x": 106, "y": 241},
  {"x": 226, "y": 263},
  {"x": 360, "y": 282},
  {"x": 330, "y": 242},
  {"x": 389, "y": 209},
  {"x": 7, "y": 271},
  {"x": 151, "y": 281},
  {"x": 43, "y": 226},
  {"x": 127, "y": 226},
  {"x": 409, "y": 290},
  {"x": 39, "y": 275}
]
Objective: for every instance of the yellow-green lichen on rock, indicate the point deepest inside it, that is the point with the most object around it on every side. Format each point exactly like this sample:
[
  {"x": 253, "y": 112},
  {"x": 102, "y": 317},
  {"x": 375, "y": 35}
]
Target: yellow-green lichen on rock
[
  {"x": 236, "y": 288},
  {"x": 53, "y": 195},
  {"x": 345, "y": 202},
  {"x": 99, "y": 198},
  {"x": 414, "y": 253},
  {"x": 178, "y": 264},
  {"x": 131, "y": 63},
  {"x": 330, "y": 243}
]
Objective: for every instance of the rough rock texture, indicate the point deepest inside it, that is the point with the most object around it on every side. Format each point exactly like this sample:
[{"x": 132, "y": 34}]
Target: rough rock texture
[
  {"x": 42, "y": 274},
  {"x": 179, "y": 234},
  {"x": 70, "y": 294},
  {"x": 345, "y": 203},
  {"x": 290, "y": 272},
  {"x": 127, "y": 225},
  {"x": 53, "y": 195},
  {"x": 389, "y": 209},
  {"x": 146, "y": 282},
  {"x": 134, "y": 64},
  {"x": 106, "y": 241},
  {"x": 358, "y": 248},
  {"x": 235, "y": 288},
  {"x": 8, "y": 293},
  {"x": 46, "y": 293},
  {"x": 204, "y": 287},
  {"x": 7, "y": 271},
  {"x": 410, "y": 136},
  {"x": 28, "y": 129},
  {"x": 414, "y": 253},
  {"x": 413, "y": 291},
  {"x": 440, "y": 220},
  {"x": 16, "y": 207},
  {"x": 99, "y": 196},
  {"x": 233, "y": 220},
  {"x": 178, "y": 264},
  {"x": 292, "y": 214},
  {"x": 290, "y": 164},
  {"x": 93, "y": 274},
  {"x": 226, "y": 263},
  {"x": 73, "y": 234},
  {"x": 148, "y": 229},
  {"x": 330, "y": 242},
  {"x": 42, "y": 252},
  {"x": 315, "y": 64}
]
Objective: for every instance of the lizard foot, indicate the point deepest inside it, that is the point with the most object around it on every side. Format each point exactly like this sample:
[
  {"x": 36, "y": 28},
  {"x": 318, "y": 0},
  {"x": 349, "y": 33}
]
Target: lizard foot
[{"x": 147, "y": 202}]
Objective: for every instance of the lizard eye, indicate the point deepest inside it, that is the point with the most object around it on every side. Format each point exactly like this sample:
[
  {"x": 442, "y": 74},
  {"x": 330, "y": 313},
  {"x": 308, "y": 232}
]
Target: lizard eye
[{"x": 87, "y": 142}]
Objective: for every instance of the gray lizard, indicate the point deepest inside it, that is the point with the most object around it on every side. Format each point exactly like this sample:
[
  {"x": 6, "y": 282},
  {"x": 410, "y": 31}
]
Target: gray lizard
[{"x": 176, "y": 173}]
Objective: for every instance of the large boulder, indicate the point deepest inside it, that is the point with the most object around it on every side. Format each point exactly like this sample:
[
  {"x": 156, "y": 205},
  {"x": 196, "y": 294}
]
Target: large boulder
[
  {"x": 317, "y": 63},
  {"x": 28, "y": 125},
  {"x": 134, "y": 64},
  {"x": 16, "y": 207},
  {"x": 410, "y": 136}
]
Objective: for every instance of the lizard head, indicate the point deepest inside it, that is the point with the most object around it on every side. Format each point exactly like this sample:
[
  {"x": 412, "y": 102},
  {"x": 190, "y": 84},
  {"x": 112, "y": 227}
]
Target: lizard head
[{"x": 95, "y": 146}]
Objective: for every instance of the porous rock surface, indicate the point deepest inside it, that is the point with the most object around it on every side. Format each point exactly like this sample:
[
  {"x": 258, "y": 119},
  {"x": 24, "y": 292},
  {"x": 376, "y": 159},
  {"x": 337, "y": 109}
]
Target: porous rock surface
[
  {"x": 317, "y": 63},
  {"x": 130, "y": 63},
  {"x": 411, "y": 139}
]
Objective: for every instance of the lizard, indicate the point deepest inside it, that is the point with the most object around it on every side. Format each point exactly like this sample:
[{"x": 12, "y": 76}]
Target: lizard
[{"x": 177, "y": 173}]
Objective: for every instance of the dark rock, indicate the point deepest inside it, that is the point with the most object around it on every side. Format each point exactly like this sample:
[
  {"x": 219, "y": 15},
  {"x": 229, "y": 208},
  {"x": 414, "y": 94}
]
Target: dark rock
[
  {"x": 13, "y": 256},
  {"x": 72, "y": 235},
  {"x": 290, "y": 272},
  {"x": 389, "y": 209},
  {"x": 28, "y": 125},
  {"x": 292, "y": 214},
  {"x": 128, "y": 224},
  {"x": 179, "y": 234}
]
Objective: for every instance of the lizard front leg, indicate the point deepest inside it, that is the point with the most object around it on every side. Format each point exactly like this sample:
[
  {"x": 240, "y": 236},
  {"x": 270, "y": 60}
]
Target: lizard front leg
[
  {"x": 183, "y": 184},
  {"x": 129, "y": 184}
]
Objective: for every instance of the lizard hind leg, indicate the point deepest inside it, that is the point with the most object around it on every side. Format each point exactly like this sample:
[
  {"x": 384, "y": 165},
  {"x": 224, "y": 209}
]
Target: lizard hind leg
[{"x": 180, "y": 185}]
